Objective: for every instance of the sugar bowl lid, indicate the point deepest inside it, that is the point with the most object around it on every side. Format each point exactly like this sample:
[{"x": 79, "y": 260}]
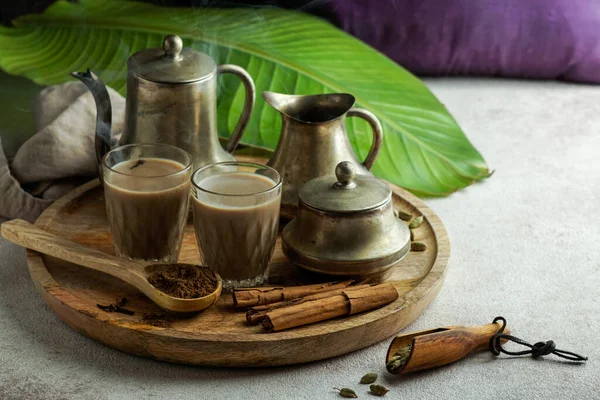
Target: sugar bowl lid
[
  {"x": 346, "y": 192},
  {"x": 171, "y": 63}
]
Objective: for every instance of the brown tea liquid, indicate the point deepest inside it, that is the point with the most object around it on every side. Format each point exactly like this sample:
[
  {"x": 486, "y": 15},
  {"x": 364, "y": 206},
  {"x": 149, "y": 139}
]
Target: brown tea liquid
[
  {"x": 236, "y": 229},
  {"x": 147, "y": 208}
]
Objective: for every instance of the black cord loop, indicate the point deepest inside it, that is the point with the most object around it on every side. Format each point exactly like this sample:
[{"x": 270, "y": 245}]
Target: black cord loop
[{"x": 536, "y": 350}]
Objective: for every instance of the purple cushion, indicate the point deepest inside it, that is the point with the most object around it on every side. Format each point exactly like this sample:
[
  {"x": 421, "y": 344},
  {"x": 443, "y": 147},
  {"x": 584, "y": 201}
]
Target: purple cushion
[{"x": 516, "y": 38}]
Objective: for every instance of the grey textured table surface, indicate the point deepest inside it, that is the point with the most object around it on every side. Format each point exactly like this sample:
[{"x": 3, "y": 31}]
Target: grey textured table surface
[{"x": 525, "y": 245}]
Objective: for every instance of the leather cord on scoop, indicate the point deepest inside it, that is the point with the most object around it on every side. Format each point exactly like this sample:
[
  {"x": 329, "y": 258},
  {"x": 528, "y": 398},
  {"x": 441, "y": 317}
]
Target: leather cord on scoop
[{"x": 536, "y": 350}]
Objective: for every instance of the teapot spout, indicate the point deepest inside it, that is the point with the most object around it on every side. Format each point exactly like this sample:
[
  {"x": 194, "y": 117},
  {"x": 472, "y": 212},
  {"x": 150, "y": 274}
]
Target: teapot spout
[{"x": 103, "y": 111}]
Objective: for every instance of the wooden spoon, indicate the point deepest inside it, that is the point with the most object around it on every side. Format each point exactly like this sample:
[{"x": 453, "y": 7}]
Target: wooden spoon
[{"x": 133, "y": 272}]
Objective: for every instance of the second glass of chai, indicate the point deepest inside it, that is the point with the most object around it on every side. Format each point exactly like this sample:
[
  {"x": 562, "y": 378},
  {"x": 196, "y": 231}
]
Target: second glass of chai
[
  {"x": 147, "y": 191},
  {"x": 236, "y": 218}
]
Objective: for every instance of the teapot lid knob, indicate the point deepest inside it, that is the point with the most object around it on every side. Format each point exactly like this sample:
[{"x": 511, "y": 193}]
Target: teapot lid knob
[
  {"x": 345, "y": 173},
  {"x": 172, "y": 44}
]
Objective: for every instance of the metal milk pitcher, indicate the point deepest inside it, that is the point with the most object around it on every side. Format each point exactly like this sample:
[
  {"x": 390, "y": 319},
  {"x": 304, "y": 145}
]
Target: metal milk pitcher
[
  {"x": 314, "y": 140},
  {"x": 172, "y": 99}
]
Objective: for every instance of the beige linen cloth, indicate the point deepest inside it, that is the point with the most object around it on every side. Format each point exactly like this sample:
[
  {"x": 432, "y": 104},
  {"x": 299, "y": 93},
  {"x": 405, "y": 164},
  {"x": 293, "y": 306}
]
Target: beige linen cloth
[{"x": 60, "y": 156}]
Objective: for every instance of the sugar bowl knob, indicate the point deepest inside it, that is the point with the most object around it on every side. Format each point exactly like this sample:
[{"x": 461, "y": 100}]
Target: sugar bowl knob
[
  {"x": 345, "y": 173},
  {"x": 172, "y": 45}
]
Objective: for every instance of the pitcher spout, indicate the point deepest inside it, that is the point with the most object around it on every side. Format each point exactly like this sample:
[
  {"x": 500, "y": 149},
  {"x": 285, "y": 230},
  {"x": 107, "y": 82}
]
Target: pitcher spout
[
  {"x": 103, "y": 111},
  {"x": 312, "y": 109}
]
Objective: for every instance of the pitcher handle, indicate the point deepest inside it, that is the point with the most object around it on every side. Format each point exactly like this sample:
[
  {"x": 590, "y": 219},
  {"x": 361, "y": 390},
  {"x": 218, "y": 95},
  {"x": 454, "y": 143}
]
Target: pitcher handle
[
  {"x": 248, "y": 102},
  {"x": 377, "y": 133}
]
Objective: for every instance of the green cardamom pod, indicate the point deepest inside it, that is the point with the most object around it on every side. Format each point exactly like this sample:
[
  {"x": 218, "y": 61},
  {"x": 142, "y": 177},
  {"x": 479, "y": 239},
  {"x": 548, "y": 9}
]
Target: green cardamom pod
[
  {"x": 399, "y": 359},
  {"x": 416, "y": 222},
  {"x": 404, "y": 352},
  {"x": 369, "y": 378},
  {"x": 404, "y": 216},
  {"x": 418, "y": 246},
  {"x": 412, "y": 235},
  {"x": 378, "y": 390},
  {"x": 394, "y": 365},
  {"x": 349, "y": 393}
]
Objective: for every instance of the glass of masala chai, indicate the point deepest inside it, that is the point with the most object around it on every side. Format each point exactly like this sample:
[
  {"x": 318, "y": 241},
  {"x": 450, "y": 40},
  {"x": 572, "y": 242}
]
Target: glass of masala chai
[
  {"x": 147, "y": 191},
  {"x": 236, "y": 219}
]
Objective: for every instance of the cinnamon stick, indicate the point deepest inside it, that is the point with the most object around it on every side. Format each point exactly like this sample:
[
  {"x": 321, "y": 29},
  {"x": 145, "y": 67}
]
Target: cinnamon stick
[
  {"x": 255, "y": 315},
  {"x": 347, "y": 303},
  {"x": 243, "y": 298}
]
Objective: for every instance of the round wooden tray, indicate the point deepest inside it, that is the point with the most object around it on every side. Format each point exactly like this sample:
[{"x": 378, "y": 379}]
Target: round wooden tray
[{"x": 219, "y": 335}]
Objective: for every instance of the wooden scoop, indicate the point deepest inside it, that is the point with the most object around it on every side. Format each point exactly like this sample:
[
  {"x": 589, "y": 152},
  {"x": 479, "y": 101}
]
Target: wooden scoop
[
  {"x": 441, "y": 346},
  {"x": 133, "y": 272}
]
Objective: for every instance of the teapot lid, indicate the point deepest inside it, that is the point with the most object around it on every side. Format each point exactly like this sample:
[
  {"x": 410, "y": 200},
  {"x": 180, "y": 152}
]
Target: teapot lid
[
  {"x": 346, "y": 191},
  {"x": 171, "y": 63}
]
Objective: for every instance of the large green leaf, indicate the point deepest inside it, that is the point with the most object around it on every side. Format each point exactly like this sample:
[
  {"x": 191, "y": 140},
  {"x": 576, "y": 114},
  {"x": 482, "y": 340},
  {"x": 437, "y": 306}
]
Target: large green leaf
[{"x": 424, "y": 149}]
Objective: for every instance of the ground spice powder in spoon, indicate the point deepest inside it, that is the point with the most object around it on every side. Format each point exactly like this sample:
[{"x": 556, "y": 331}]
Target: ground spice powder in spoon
[{"x": 185, "y": 281}]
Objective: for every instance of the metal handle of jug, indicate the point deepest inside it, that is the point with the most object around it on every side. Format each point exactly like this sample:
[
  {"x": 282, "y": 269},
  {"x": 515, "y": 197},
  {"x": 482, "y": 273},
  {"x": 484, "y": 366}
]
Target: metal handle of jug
[
  {"x": 237, "y": 133},
  {"x": 377, "y": 133}
]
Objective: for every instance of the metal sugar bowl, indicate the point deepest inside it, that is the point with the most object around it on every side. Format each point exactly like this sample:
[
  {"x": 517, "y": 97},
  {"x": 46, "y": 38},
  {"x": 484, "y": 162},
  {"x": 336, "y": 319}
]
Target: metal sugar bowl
[{"x": 345, "y": 225}]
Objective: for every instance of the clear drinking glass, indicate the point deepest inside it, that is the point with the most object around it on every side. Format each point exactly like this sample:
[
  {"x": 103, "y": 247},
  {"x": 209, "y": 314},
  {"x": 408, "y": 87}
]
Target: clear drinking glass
[
  {"x": 236, "y": 218},
  {"x": 147, "y": 191}
]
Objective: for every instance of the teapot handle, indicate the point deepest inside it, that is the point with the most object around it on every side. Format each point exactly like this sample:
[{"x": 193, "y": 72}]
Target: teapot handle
[
  {"x": 377, "y": 133},
  {"x": 248, "y": 103},
  {"x": 103, "y": 113}
]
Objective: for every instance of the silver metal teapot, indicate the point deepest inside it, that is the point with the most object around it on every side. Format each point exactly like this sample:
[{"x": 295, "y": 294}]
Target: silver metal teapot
[{"x": 172, "y": 99}]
